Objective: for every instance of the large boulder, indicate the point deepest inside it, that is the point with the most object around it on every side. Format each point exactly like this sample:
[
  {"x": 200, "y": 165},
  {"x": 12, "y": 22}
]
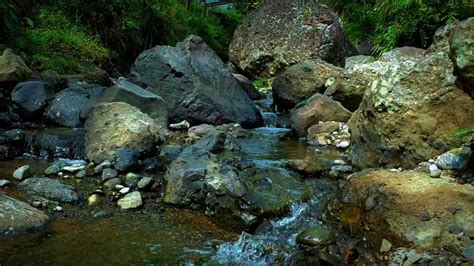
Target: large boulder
[
  {"x": 31, "y": 97},
  {"x": 304, "y": 79},
  {"x": 114, "y": 126},
  {"x": 461, "y": 41},
  {"x": 198, "y": 179},
  {"x": 149, "y": 103},
  {"x": 411, "y": 111},
  {"x": 407, "y": 208},
  {"x": 248, "y": 87},
  {"x": 13, "y": 68},
  {"x": 18, "y": 217},
  {"x": 196, "y": 84},
  {"x": 318, "y": 108},
  {"x": 69, "y": 108},
  {"x": 278, "y": 35}
]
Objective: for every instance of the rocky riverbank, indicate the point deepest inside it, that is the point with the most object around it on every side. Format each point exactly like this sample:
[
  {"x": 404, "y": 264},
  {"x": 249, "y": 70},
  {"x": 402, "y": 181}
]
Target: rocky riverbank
[{"x": 172, "y": 163}]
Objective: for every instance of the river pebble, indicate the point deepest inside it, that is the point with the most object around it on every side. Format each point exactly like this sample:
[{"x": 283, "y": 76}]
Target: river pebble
[{"x": 22, "y": 172}]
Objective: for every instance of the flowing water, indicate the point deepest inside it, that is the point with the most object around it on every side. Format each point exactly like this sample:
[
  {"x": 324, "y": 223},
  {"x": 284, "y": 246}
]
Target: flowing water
[{"x": 159, "y": 234}]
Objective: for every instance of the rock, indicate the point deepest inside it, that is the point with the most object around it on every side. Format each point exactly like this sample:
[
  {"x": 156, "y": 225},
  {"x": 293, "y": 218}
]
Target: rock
[
  {"x": 58, "y": 209},
  {"x": 13, "y": 68},
  {"x": 455, "y": 159},
  {"x": 169, "y": 153},
  {"x": 406, "y": 115},
  {"x": 81, "y": 174},
  {"x": 269, "y": 40},
  {"x": 22, "y": 172},
  {"x": 434, "y": 171},
  {"x": 310, "y": 167},
  {"x": 114, "y": 126},
  {"x": 353, "y": 61},
  {"x": 31, "y": 97},
  {"x": 73, "y": 168},
  {"x": 53, "y": 169},
  {"x": 4, "y": 183},
  {"x": 56, "y": 143},
  {"x": 49, "y": 188},
  {"x": 461, "y": 41},
  {"x": 315, "y": 109},
  {"x": 144, "y": 183},
  {"x": 69, "y": 108},
  {"x": 130, "y": 201},
  {"x": 197, "y": 179},
  {"x": 94, "y": 199},
  {"x": 196, "y": 84},
  {"x": 103, "y": 165},
  {"x": 126, "y": 160},
  {"x": 17, "y": 217},
  {"x": 343, "y": 144},
  {"x": 304, "y": 79},
  {"x": 468, "y": 253},
  {"x": 399, "y": 199},
  {"x": 149, "y": 103},
  {"x": 112, "y": 183},
  {"x": 386, "y": 246},
  {"x": 14, "y": 135},
  {"x": 183, "y": 125},
  {"x": 454, "y": 229},
  {"x": 248, "y": 87},
  {"x": 132, "y": 179},
  {"x": 108, "y": 174},
  {"x": 316, "y": 236},
  {"x": 124, "y": 190}
]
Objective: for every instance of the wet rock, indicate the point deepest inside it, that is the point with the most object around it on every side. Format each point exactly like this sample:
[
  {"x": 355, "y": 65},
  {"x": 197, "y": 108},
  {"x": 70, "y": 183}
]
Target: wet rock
[
  {"x": 124, "y": 190},
  {"x": 56, "y": 143},
  {"x": 401, "y": 198},
  {"x": 144, "y": 183},
  {"x": 132, "y": 179},
  {"x": 31, "y": 97},
  {"x": 112, "y": 183},
  {"x": 4, "y": 183},
  {"x": 103, "y": 165},
  {"x": 198, "y": 179},
  {"x": 73, "y": 168},
  {"x": 183, "y": 125},
  {"x": 22, "y": 173},
  {"x": 456, "y": 159},
  {"x": 115, "y": 126},
  {"x": 149, "y": 103},
  {"x": 126, "y": 160},
  {"x": 49, "y": 188},
  {"x": 130, "y": 201},
  {"x": 353, "y": 61},
  {"x": 461, "y": 41},
  {"x": 14, "y": 135},
  {"x": 302, "y": 80},
  {"x": 196, "y": 84},
  {"x": 69, "y": 108},
  {"x": 434, "y": 171},
  {"x": 17, "y": 217},
  {"x": 316, "y": 236},
  {"x": 318, "y": 108},
  {"x": 13, "y": 67},
  {"x": 406, "y": 115},
  {"x": 94, "y": 199},
  {"x": 248, "y": 87},
  {"x": 310, "y": 167},
  {"x": 109, "y": 174},
  {"x": 468, "y": 253},
  {"x": 269, "y": 40},
  {"x": 386, "y": 246},
  {"x": 169, "y": 153}
]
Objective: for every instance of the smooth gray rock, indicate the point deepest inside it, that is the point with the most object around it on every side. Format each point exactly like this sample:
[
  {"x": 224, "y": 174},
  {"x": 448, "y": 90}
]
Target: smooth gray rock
[
  {"x": 49, "y": 188},
  {"x": 22, "y": 172},
  {"x": 31, "y": 97},
  {"x": 18, "y": 217}
]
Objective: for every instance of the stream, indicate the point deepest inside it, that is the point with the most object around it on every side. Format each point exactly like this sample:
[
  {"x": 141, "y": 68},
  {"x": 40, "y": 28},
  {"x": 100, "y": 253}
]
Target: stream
[{"x": 159, "y": 234}]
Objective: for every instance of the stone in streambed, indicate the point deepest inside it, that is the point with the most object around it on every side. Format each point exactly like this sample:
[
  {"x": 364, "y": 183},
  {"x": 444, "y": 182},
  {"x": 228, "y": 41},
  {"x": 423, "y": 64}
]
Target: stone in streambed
[
  {"x": 126, "y": 160},
  {"x": 18, "y": 217},
  {"x": 49, "y": 188},
  {"x": 108, "y": 174},
  {"x": 316, "y": 236},
  {"x": 22, "y": 173},
  {"x": 130, "y": 201}
]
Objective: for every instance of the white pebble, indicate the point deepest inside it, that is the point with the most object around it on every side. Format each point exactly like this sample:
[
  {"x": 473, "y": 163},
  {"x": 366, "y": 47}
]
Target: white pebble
[
  {"x": 343, "y": 144},
  {"x": 124, "y": 190},
  {"x": 58, "y": 209}
]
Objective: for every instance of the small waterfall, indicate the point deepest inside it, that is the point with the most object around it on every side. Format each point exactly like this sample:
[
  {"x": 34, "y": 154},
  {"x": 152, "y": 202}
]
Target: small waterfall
[{"x": 269, "y": 119}]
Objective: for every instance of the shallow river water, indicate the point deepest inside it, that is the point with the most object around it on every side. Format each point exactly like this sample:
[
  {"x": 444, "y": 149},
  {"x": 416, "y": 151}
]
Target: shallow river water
[{"x": 159, "y": 234}]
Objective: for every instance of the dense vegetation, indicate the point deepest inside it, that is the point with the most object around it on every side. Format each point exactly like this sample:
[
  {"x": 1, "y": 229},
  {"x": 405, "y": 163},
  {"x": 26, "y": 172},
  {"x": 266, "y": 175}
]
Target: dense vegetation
[
  {"x": 393, "y": 23},
  {"x": 105, "y": 32},
  {"x": 110, "y": 33}
]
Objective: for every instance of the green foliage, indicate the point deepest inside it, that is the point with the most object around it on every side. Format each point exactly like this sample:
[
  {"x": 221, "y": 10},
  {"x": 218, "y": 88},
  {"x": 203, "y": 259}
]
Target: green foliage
[
  {"x": 465, "y": 133},
  {"x": 263, "y": 82},
  {"x": 55, "y": 35},
  {"x": 392, "y": 23}
]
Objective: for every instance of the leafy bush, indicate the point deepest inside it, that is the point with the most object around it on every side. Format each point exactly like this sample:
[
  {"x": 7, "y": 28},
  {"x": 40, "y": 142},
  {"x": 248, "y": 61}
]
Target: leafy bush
[
  {"x": 388, "y": 23},
  {"x": 53, "y": 36}
]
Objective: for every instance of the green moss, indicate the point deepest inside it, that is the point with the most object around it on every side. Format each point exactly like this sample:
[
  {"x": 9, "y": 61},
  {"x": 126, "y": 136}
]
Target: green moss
[{"x": 262, "y": 83}]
